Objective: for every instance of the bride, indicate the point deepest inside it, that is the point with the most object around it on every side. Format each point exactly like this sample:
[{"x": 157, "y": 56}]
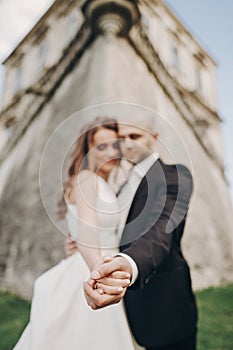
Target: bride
[{"x": 60, "y": 317}]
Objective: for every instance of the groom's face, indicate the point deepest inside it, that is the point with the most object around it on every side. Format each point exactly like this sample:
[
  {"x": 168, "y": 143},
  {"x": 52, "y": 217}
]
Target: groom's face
[{"x": 136, "y": 143}]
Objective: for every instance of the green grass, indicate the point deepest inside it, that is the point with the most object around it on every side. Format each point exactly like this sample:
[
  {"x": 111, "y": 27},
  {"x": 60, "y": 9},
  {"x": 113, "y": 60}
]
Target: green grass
[
  {"x": 215, "y": 319},
  {"x": 14, "y": 314}
]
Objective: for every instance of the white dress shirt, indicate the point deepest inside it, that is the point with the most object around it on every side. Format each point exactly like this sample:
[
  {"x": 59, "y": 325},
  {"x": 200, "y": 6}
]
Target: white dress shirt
[{"x": 126, "y": 196}]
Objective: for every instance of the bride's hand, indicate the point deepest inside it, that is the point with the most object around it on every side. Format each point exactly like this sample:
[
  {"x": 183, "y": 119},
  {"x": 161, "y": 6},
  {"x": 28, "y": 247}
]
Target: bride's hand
[{"x": 113, "y": 284}]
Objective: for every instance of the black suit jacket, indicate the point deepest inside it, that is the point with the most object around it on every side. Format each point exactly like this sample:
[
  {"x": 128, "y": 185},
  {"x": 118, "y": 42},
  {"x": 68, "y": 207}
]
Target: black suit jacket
[{"x": 160, "y": 305}]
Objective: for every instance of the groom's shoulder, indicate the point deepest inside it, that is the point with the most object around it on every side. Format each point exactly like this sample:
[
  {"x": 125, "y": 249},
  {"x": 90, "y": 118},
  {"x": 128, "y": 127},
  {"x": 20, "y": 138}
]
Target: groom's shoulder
[
  {"x": 174, "y": 173},
  {"x": 178, "y": 168}
]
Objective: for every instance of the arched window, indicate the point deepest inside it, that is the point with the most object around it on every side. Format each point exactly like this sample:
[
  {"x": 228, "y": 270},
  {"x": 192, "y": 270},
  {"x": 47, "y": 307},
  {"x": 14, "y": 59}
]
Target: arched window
[
  {"x": 199, "y": 85},
  {"x": 42, "y": 51},
  {"x": 175, "y": 57},
  {"x": 18, "y": 79},
  {"x": 72, "y": 25}
]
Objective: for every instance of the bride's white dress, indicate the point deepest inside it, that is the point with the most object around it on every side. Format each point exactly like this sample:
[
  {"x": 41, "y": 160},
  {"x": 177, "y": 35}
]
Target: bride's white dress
[{"x": 60, "y": 318}]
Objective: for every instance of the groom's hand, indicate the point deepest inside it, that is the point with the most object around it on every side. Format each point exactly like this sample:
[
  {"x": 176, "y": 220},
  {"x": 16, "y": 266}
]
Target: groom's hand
[
  {"x": 118, "y": 263},
  {"x": 70, "y": 247},
  {"x": 112, "y": 284}
]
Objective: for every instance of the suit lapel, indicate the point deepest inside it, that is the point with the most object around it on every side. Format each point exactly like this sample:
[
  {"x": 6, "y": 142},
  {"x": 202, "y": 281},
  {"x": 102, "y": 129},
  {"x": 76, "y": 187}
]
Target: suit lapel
[{"x": 141, "y": 195}]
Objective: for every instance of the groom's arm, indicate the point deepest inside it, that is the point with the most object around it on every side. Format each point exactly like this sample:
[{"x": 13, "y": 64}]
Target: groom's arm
[
  {"x": 150, "y": 250},
  {"x": 133, "y": 265}
]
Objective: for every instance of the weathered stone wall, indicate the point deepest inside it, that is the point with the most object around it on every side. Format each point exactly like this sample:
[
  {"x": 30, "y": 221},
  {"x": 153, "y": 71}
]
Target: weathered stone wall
[{"x": 110, "y": 70}]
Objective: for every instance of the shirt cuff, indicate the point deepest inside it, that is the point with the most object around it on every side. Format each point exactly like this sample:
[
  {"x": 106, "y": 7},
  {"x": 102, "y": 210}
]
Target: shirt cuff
[{"x": 133, "y": 266}]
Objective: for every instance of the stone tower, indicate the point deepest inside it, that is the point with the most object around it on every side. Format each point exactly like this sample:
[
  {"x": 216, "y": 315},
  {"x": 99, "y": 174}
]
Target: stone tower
[{"x": 83, "y": 53}]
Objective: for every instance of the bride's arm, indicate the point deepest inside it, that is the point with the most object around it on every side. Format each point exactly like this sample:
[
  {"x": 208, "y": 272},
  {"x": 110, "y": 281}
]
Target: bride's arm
[{"x": 84, "y": 195}]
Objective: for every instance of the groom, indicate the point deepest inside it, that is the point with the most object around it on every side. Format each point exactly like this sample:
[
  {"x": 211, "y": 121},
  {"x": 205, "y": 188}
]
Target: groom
[{"x": 159, "y": 303}]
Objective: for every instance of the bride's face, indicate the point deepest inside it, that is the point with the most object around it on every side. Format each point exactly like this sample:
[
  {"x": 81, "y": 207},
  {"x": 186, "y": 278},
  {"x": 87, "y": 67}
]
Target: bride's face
[{"x": 104, "y": 152}]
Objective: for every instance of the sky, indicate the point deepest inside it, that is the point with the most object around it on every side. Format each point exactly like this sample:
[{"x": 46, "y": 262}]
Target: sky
[
  {"x": 210, "y": 21},
  {"x": 17, "y": 17}
]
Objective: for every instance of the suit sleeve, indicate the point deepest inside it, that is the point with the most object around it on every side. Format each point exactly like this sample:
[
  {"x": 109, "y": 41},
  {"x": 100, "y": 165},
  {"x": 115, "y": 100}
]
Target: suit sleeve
[{"x": 153, "y": 247}]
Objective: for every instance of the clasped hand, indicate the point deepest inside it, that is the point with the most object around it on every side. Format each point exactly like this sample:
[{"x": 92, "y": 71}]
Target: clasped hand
[{"x": 108, "y": 282}]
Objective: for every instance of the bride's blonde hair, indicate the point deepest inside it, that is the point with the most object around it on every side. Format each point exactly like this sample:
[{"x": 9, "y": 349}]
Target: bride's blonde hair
[{"x": 78, "y": 159}]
